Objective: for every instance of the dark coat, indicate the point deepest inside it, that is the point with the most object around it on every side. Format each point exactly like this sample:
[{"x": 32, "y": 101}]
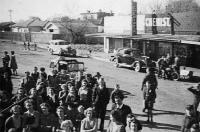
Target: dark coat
[
  {"x": 124, "y": 111},
  {"x": 152, "y": 79},
  {"x": 100, "y": 97},
  {"x": 196, "y": 94},
  {"x": 28, "y": 83}
]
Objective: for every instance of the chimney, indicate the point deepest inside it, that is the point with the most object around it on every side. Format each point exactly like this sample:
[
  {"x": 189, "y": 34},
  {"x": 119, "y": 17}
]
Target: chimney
[{"x": 133, "y": 18}]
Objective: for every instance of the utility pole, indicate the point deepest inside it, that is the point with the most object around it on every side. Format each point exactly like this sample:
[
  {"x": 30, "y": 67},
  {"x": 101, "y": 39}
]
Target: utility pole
[{"x": 10, "y": 14}]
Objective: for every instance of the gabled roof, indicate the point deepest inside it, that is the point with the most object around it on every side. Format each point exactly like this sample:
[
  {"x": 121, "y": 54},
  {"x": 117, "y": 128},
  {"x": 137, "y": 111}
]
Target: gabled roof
[
  {"x": 25, "y": 23},
  {"x": 6, "y": 24},
  {"x": 38, "y": 23}
]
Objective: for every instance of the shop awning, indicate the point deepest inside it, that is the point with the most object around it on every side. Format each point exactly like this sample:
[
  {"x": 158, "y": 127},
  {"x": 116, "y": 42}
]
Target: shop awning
[{"x": 184, "y": 39}]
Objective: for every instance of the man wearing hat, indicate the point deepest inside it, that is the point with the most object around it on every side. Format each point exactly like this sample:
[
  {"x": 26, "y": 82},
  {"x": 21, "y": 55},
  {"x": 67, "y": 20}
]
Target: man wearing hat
[
  {"x": 97, "y": 76},
  {"x": 27, "y": 82},
  {"x": 189, "y": 119},
  {"x": 196, "y": 92},
  {"x": 123, "y": 109}
]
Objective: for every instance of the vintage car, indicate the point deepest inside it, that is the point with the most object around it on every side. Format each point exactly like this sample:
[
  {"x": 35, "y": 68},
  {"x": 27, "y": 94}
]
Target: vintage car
[
  {"x": 132, "y": 58},
  {"x": 61, "y": 47},
  {"x": 73, "y": 68},
  {"x": 69, "y": 65}
]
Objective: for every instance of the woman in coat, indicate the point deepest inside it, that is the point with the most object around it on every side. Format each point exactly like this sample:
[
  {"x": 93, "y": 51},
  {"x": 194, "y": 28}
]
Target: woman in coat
[{"x": 13, "y": 63}]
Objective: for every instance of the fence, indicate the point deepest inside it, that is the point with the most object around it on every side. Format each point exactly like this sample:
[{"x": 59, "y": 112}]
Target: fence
[{"x": 33, "y": 37}]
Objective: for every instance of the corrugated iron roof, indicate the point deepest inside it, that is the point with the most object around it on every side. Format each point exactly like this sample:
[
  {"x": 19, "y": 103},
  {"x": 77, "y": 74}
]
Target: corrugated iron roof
[
  {"x": 38, "y": 23},
  {"x": 190, "y": 39},
  {"x": 24, "y": 24}
]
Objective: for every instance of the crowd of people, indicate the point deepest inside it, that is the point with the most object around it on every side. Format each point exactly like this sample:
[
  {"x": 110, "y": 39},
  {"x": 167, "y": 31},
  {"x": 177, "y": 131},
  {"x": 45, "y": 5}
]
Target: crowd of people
[
  {"x": 166, "y": 64},
  {"x": 27, "y": 46},
  {"x": 59, "y": 103}
]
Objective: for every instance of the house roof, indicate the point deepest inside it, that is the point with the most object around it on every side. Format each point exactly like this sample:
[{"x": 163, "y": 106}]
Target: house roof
[
  {"x": 38, "y": 23},
  {"x": 5, "y": 24},
  {"x": 25, "y": 23}
]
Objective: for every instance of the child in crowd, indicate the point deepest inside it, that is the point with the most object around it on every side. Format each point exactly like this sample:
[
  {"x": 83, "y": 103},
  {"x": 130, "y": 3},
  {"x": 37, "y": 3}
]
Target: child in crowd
[{"x": 63, "y": 94}]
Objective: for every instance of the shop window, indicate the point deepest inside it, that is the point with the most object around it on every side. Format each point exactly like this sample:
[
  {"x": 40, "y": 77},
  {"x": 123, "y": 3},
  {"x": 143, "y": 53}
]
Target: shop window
[{"x": 126, "y": 43}]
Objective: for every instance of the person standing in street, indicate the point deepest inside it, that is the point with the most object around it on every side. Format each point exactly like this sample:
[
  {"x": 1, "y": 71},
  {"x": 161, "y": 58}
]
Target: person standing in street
[
  {"x": 13, "y": 63},
  {"x": 6, "y": 59},
  {"x": 196, "y": 92},
  {"x": 151, "y": 78},
  {"x": 28, "y": 45},
  {"x": 100, "y": 99},
  {"x": 24, "y": 45},
  {"x": 35, "y": 46}
]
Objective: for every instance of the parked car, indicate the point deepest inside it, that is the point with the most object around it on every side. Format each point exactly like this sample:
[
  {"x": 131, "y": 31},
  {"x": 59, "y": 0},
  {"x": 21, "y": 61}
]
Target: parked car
[
  {"x": 67, "y": 52},
  {"x": 132, "y": 58},
  {"x": 61, "y": 47}
]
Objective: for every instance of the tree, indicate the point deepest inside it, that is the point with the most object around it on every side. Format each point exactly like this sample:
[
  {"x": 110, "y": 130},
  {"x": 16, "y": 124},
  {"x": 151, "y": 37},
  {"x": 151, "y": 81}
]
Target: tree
[
  {"x": 158, "y": 6},
  {"x": 182, "y": 6},
  {"x": 75, "y": 28}
]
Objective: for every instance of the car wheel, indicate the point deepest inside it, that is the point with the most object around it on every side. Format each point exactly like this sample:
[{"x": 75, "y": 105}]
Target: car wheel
[
  {"x": 137, "y": 67},
  {"x": 175, "y": 76}
]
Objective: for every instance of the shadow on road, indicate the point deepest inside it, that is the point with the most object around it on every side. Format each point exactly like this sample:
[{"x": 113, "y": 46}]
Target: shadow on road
[
  {"x": 161, "y": 112},
  {"x": 157, "y": 125},
  {"x": 125, "y": 93}
]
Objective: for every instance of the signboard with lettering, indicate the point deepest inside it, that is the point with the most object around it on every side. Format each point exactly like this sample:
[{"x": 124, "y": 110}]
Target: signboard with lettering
[
  {"x": 134, "y": 18},
  {"x": 161, "y": 22}
]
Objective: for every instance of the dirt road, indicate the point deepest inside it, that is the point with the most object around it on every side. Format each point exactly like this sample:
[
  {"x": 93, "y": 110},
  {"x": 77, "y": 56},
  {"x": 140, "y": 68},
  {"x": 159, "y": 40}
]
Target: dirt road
[{"x": 170, "y": 103}]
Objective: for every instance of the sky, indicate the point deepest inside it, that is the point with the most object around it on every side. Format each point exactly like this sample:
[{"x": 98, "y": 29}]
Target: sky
[{"x": 23, "y": 9}]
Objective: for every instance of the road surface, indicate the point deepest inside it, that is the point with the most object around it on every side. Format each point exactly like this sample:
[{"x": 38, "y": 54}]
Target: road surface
[{"x": 172, "y": 96}]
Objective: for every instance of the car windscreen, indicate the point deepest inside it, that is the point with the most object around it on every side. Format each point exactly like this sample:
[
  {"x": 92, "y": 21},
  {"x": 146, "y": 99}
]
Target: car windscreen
[
  {"x": 75, "y": 67},
  {"x": 136, "y": 53}
]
